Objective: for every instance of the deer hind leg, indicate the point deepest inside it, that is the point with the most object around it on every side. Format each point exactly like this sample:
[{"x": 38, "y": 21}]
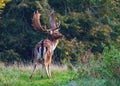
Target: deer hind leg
[
  {"x": 42, "y": 70},
  {"x": 37, "y": 57},
  {"x": 45, "y": 57},
  {"x": 34, "y": 67}
]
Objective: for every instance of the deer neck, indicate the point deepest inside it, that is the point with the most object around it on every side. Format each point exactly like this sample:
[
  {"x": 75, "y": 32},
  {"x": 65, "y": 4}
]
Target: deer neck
[{"x": 54, "y": 42}]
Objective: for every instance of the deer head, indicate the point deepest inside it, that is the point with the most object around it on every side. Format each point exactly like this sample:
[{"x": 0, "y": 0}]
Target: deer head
[{"x": 54, "y": 27}]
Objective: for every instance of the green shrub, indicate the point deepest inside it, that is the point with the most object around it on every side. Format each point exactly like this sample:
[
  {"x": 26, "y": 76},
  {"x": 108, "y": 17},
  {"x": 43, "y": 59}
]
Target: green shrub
[
  {"x": 9, "y": 56},
  {"x": 111, "y": 60},
  {"x": 106, "y": 68}
]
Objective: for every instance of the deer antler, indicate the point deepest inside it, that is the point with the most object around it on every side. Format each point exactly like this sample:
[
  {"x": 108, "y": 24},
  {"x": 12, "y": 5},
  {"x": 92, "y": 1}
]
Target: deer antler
[
  {"x": 37, "y": 25},
  {"x": 36, "y": 22},
  {"x": 52, "y": 21}
]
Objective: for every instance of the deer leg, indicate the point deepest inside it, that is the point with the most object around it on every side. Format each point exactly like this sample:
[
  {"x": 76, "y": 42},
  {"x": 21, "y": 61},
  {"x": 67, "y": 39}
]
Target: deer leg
[
  {"x": 34, "y": 67},
  {"x": 49, "y": 70},
  {"x": 42, "y": 70}
]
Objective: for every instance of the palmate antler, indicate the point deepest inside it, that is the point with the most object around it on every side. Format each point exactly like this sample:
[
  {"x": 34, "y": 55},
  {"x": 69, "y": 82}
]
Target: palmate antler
[
  {"x": 37, "y": 25},
  {"x": 53, "y": 24},
  {"x": 36, "y": 22}
]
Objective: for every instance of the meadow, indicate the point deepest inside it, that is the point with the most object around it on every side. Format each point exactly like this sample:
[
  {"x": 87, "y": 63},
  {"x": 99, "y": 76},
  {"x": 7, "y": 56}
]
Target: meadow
[
  {"x": 95, "y": 72},
  {"x": 13, "y": 76},
  {"x": 61, "y": 76}
]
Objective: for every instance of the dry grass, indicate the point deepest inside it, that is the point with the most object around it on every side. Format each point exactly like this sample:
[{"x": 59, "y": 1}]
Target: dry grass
[{"x": 29, "y": 67}]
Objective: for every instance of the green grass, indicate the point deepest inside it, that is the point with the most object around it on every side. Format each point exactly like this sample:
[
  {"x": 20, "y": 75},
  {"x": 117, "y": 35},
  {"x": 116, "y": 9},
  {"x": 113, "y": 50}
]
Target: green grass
[
  {"x": 94, "y": 82},
  {"x": 96, "y": 72},
  {"x": 11, "y": 76}
]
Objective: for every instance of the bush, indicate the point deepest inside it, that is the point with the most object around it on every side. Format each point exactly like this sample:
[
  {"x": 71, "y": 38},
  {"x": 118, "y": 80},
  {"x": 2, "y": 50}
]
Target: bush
[
  {"x": 69, "y": 51},
  {"x": 9, "y": 56},
  {"x": 106, "y": 68},
  {"x": 111, "y": 60}
]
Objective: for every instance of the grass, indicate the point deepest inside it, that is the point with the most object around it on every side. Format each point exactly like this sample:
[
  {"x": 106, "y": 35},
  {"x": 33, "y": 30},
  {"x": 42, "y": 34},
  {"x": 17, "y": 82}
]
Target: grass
[
  {"x": 96, "y": 72},
  {"x": 12, "y": 76},
  {"x": 94, "y": 82}
]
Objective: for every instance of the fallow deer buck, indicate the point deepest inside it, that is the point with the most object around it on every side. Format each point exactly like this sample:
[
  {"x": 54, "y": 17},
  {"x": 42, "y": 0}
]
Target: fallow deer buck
[{"x": 44, "y": 49}]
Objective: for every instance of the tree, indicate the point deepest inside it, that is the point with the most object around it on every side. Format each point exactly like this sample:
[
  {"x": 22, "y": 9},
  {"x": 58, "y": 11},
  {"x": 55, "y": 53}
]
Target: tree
[{"x": 94, "y": 23}]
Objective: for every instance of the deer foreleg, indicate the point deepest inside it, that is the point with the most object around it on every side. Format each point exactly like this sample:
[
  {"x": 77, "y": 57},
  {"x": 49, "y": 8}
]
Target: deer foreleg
[{"x": 47, "y": 71}]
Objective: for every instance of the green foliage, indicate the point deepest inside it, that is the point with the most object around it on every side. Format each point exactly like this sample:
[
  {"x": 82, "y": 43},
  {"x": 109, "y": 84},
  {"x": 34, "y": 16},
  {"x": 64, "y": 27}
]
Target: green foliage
[
  {"x": 10, "y": 55},
  {"x": 111, "y": 59},
  {"x": 94, "y": 23},
  {"x": 106, "y": 68},
  {"x": 69, "y": 51}
]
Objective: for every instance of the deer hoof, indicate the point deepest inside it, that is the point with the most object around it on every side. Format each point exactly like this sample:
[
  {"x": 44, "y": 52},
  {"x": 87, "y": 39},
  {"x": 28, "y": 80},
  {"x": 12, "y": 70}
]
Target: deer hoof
[
  {"x": 42, "y": 76},
  {"x": 49, "y": 77},
  {"x": 30, "y": 77}
]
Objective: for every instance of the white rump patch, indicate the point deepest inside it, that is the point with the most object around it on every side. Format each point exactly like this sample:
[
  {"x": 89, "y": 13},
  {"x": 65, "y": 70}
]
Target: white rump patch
[
  {"x": 44, "y": 54},
  {"x": 39, "y": 53}
]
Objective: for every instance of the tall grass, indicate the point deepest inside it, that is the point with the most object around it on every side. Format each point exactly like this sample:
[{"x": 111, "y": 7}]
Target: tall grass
[{"x": 13, "y": 76}]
